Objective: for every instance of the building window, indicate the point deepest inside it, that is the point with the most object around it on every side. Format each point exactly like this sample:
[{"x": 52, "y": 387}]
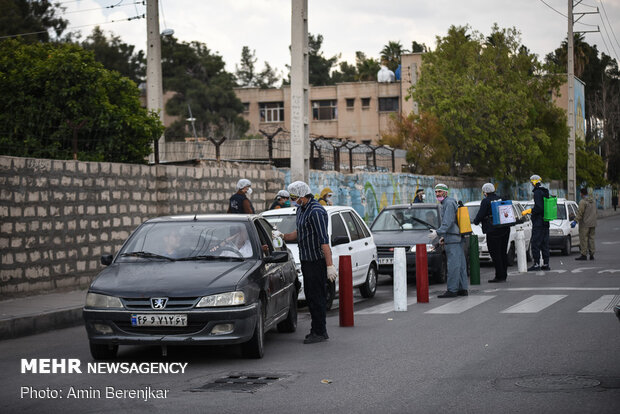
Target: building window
[
  {"x": 325, "y": 110},
  {"x": 365, "y": 103},
  {"x": 350, "y": 103},
  {"x": 271, "y": 111},
  {"x": 388, "y": 104},
  {"x": 246, "y": 108}
]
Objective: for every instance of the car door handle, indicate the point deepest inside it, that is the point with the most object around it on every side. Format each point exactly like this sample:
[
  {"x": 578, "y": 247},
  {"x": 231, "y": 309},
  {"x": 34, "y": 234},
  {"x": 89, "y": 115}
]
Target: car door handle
[
  {"x": 350, "y": 248},
  {"x": 366, "y": 243}
]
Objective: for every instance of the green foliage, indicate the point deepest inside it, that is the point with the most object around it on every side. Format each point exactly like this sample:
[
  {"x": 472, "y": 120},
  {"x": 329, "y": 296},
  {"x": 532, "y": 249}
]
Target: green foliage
[
  {"x": 200, "y": 81},
  {"x": 390, "y": 55},
  {"x": 428, "y": 151},
  {"x": 493, "y": 104},
  {"x": 590, "y": 165},
  {"x": 116, "y": 55},
  {"x": 367, "y": 68},
  {"x": 347, "y": 73},
  {"x": 31, "y": 16},
  {"x": 319, "y": 66},
  {"x": 246, "y": 74},
  {"x": 49, "y": 91}
]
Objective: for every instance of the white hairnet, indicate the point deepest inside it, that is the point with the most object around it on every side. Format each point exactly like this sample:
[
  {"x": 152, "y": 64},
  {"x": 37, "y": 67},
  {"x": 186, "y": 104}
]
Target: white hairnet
[
  {"x": 298, "y": 189},
  {"x": 283, "y": 193},
  {"x": 488, "y": 188},
  {"x": 242, "y": 183}
]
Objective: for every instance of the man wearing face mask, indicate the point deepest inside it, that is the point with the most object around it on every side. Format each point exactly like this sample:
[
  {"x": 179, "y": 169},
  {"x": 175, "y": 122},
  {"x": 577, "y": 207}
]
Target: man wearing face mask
[
  {"x": 315, "y": 256},
  {"x": 281, "y": 201},
  {"x": 239, "y": 202},
  {"x": 325, "y": 198},
  {"x": 450, "y": 236},
  {"x": 419, "y": 196}
]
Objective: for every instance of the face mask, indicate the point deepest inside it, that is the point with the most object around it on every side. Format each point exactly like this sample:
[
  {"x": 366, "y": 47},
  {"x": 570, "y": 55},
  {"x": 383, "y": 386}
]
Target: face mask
[
  {"x": 440, "y": 198},
  {"x": 423, "y": 197},
  {"x": 287, "y": 203},
  {"x": 249, "y": 192}
]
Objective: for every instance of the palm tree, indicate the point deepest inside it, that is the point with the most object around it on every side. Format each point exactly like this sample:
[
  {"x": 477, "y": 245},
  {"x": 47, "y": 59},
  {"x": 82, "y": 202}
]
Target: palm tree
[{"x": 390, "y": 54}]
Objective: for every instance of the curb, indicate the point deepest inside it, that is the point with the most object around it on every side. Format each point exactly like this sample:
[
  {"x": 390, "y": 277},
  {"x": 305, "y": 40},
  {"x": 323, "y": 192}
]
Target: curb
[{"x": 39, "y": 323}]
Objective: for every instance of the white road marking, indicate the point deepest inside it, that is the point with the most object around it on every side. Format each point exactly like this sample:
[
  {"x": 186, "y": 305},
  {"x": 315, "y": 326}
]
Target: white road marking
[
  {"x": 534, "y": 304},
  {"x": 384, "y": 307},
  {"x": 613, "y": 242},
  {"x": 605, "y": 303},
  {"x": 609, "y": 271},
  {"x": 460, "y": 305},
  {"x": 551, "y": 288},
  {"x": 556, "y": 271},
  {"x": 581, "y": 269}
]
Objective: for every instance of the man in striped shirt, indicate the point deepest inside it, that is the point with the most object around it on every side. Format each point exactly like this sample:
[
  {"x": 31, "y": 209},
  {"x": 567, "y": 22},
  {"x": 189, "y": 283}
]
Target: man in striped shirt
[{"x": 315, "y": 256}]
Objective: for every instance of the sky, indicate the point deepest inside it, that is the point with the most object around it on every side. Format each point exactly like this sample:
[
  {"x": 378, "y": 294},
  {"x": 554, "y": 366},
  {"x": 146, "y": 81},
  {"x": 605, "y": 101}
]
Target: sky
[{"x": 347, "y": 26}]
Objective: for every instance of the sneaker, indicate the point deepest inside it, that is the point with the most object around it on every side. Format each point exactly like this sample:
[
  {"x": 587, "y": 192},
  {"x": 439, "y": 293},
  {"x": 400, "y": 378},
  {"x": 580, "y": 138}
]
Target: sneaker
[
  {"x": 533, "y": 268},
  {"x": 496, "y": 280},
  {"x": 582, "y": 257},
  {"x": 448, "y": 294},
  {"x": 545, "y": 267},
  {"x": 463, "y": 292},
  {"x": 314, "y": 338},
  {"x": 324, "y": 335},
  {"x": 591, "y": 257}
]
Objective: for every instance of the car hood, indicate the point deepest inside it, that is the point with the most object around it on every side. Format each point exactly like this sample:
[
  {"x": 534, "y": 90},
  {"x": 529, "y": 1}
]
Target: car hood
[
  {"x": 181, "y": 279},
  {"x": 400, "y": 238}
]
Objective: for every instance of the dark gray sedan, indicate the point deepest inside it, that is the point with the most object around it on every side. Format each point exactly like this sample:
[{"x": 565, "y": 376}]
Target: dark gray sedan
[
  {"x": 193, "y": 280},
  {"x": 406, "y": 225}
]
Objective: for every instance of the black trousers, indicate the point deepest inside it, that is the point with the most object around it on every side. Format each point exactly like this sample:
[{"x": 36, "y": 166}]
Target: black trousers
[
  {"x": 540, "y": 243},
  {"x": 497, "y": 242},
  {"x": 315, "y": 289}
]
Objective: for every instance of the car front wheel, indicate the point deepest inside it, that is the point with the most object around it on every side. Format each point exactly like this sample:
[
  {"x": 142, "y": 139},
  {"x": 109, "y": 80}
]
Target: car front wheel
[
  {"x": 567, "y": 246},
  {"x": 254, "y": 348},
  {"x": 289, "y": 325},
  {"x": 369, "y": 288}
]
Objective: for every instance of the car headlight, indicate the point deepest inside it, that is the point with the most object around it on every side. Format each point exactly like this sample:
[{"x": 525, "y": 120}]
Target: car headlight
[
  {"x": 556, "y": 232},
  {"x": 429, "y": 248},
  {"x": 95, "y": 300},
  {"x": 222, "y": 299}
]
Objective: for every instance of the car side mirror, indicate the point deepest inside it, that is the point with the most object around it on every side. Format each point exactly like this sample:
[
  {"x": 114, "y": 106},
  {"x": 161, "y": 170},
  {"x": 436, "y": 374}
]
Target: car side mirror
[
  {"x": 338, "y": 240},
  {"x": 106, "y": 259},
  {"x": 277, "y": 257}
]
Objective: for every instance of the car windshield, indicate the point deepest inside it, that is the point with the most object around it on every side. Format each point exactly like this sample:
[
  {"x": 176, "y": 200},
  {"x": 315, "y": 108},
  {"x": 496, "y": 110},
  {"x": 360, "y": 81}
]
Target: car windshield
[
  {"x": 285, "y": 223},
  {"x": 561, "y": 211},
  {"x": 412, "y": 218},
  {"x": 190, "y": 240}
]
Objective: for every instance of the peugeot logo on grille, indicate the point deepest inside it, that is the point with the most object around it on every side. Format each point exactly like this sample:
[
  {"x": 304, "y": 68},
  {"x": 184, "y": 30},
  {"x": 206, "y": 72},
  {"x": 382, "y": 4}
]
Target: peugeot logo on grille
[{"x": 158, "y": 303}]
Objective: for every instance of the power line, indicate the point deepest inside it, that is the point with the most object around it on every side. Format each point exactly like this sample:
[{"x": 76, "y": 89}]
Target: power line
[
  {"x": 558, "y": 12},
  {"x": 610, "y": 26},
  {"x": 105, "y": 7},
  {"x": 142, "y": 16}
]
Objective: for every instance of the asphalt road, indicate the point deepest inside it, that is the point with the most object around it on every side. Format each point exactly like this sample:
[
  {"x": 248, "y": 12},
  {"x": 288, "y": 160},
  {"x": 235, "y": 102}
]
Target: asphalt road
[{"x": 544, "y": 342}]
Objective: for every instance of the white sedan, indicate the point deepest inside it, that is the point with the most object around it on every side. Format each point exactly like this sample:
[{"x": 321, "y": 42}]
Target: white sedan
[{"x": 348, "y": 234}]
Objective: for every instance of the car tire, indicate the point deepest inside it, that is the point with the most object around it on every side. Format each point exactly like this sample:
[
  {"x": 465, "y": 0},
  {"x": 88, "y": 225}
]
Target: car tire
[
  {"x": 440, "y": 276},
  {"x": 567, "y": 246},
  {"x": 103, "y": 351},
  {"x": 331, "y": 294},
  {"x": 369, "y": 288},
  {"x": 255, "y": 347},
  {"x": 289, "y": 325},
  {"x": 512, "y": 255}
]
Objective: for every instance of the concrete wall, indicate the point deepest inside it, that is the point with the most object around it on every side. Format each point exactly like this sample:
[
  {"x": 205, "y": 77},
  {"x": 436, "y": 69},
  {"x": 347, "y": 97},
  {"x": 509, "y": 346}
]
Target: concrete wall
[{"x": 58, "y": 217}]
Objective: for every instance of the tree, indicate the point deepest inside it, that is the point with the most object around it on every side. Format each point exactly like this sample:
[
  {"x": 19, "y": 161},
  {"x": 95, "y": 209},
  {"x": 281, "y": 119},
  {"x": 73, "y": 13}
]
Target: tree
[
  {"x": 31, "y": 16},
  {"x": 419, "y": 47},
  {"x": 390, "y": 55},
  {"x": 319, "y": 66},
  {"x": 199, "y": 80},
  {"x": 491, "y": 98},
  {"x": 428, "y": 151},
  {"x": 53, "y": 93},
  {"x": 246, "y": 74},
  {"x": 116, "y": 55},
  {"x": 367, "y": 68},
  {"x": 347, "y": 73}
]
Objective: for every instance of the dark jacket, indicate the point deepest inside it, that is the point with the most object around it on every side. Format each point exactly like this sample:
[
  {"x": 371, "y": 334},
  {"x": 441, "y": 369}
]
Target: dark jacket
[
  {"x": 240, "y": 204},
  {"x": 485, "y": 215},
  {"x": 540, "y": 193}
]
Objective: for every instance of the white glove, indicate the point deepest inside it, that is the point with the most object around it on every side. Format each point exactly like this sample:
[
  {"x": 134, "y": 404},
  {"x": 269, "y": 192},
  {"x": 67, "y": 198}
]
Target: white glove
[
  {"x": 332, "y": 273},
  {"x": 432, "y": 234},
  {"x": 277, "y": 234}
]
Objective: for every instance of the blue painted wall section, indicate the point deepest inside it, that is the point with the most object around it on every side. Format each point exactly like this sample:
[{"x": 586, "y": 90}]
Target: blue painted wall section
[{"x": 368, "y": 192}]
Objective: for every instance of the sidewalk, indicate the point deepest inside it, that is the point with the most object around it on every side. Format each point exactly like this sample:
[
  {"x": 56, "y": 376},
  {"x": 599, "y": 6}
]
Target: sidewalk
[{"x": 35, "y": 314}]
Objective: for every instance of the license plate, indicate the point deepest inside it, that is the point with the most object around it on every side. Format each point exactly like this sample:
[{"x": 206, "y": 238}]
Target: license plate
[
  {"x": 159, "y": 320},
  {"x": 386, "y": 260}
]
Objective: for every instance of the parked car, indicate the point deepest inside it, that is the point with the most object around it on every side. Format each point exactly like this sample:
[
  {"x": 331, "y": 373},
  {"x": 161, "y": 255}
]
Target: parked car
[
  {"x": 197, "y": 279},
  {"x": 561, "y": 235},
  {"x": 524, "y": 223},
  {"x": 406, "y": 225},
  {"x": 348, "y": 235}
]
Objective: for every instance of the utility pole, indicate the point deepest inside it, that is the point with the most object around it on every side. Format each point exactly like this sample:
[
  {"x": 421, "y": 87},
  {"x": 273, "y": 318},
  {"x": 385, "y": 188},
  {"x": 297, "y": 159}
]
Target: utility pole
[
  {"x": 571, "y": 191},
  {"x": 154, "y": 87},
  {"x": 300, "y": 131}
]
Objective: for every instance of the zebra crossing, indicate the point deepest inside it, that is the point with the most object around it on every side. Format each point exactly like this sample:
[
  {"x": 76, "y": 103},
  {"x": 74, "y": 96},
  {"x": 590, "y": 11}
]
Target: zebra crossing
[{"x": 534, "y": 303}]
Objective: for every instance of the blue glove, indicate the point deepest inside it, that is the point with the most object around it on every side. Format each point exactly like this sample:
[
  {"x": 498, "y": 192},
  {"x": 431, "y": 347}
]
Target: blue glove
[{"x": 573, "y": 224}]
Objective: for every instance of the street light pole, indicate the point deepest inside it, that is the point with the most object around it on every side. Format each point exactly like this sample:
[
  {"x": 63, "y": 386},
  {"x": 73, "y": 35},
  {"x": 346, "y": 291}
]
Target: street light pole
[
  {"x": 571, "y": 191},
  {"x": 154, "y": 83}
]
